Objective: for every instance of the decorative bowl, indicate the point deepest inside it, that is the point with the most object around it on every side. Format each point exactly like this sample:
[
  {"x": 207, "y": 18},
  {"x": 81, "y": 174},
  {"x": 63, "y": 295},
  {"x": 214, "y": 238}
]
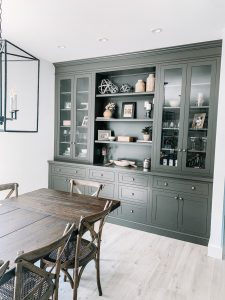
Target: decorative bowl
[
  {"x": 124, "y": 163},
  {"x": 174, "y": 102},
  {"x": 112, "y": 138}
]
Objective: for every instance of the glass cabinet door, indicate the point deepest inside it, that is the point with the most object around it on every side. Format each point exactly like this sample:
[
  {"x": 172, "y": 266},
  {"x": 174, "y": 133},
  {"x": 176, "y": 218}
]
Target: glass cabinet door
[
  {"x": 172, "y": 104},
  {"x": 198, "y": 123},
  {"x": 81, "y": 132},
  {"x": 65, "y": 117}
]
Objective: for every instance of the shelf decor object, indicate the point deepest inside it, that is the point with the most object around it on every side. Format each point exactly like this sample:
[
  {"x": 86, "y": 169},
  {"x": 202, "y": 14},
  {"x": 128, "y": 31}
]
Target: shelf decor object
[
  {"x": 106, "y": 87},
  {"x": 19, "y": 87},
  {"x": 150, "y": 83},
  {"x": 128, "y": 109},
  {"x": 140, "y": 86},
  {"x": 125, "y": 88},
  {"x": 109, "y": 109}
]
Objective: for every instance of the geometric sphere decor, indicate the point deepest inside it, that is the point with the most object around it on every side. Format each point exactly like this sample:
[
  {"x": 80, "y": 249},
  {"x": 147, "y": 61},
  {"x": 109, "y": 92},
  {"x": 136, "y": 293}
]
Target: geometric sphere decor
[
  {"x": 125, "y": 88},
  {"x": 106, "y": 87}
]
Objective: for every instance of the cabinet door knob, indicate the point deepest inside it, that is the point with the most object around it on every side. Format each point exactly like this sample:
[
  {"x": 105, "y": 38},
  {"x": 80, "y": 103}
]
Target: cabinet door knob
[
  {"x": 132, "y": 211},
  {"x": 180, "y": 198},
  {"x": 175, "y": 197},
  {"x": 165, "y": 183},
  {"x": 101, "y": 174},
  {"x": 133, "y": 179},
  {"x": 75, "y": 172},
  {"x": 193, "y": 188},
  {"x": 179, "y": 150},
  {"x": 184, "y": 150},
  {"x": 132, "y": 194}
]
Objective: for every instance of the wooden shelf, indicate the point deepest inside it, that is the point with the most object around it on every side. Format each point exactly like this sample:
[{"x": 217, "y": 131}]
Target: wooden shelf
[
  {"x": 124, "y": 94},
  {"x": 99, "y": 119},
  {"x": 171, "y": 107},
  {"x": 196, "y": 151},
  {"x": 82, "y": 92},
  {"x": 123, "y": 143},
  {"x": 199, "y": 107},
  {"x": 198, "y": 129},
  {"x": 168, "y": 128},
  {"x": 82, "y": 109},
  {"x": 65, "y": 109},
  {"x": 65, "y": 93}
]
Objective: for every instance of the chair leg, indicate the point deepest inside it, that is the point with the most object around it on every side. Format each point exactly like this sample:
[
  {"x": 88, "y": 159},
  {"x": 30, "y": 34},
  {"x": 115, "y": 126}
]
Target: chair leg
[
  {"x": 75, "y": 283},
  {"x": 97, "y": 265}
]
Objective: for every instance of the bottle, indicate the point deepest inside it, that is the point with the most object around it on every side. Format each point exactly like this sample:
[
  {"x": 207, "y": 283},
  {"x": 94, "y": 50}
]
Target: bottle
[
  {"x": 150, "y": 83},
  {"x": 146, "y": 163}
]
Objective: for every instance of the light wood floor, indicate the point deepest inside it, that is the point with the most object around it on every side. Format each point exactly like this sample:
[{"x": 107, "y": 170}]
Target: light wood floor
[{"x": 144, "y": 266}]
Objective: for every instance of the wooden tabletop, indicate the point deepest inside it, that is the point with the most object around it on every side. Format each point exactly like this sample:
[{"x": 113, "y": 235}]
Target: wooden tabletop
[{"x": 38, "y": 218}]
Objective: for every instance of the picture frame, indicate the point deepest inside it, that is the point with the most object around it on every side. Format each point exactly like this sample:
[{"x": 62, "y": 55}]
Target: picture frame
[
  {"x": 85, "y": 121},
  {"x": 103, "y": 135},
  {"x": 128, "y": 110},
  {"x": 198, "y": 121}
]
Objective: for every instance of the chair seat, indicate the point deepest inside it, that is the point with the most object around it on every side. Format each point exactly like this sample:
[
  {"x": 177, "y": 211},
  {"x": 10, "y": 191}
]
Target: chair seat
[
  {"x": 29, "y": 281},
  {"x": 87, "y": 252}
]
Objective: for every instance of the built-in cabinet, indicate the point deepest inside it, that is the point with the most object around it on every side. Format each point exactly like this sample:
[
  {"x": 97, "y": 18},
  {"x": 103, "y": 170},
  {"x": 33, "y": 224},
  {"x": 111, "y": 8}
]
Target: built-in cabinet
[
  {"x": 72, "y": 114},
  {"x": 186, "y": 114},
  {"x": 174, "y": 197}
]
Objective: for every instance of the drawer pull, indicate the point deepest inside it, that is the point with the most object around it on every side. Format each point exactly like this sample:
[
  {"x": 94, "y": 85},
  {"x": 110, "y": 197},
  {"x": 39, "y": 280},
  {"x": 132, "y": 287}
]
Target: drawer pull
[
  {"x": 132, "y": 194},
  {"x": 101, "y": 175},
  {"x": 175, "y": 197},
  {"x": 75, "y": 172},
  {"x": 132, "y": 211},
  {"x": 165, "y": 183},
  {"x": 193, "y": 188},
  {"x": 184, "y": 150},
  {"x": 180, "y": 198},
  {"x": 133, "y": 179},
  {"x": 179, "y": 150}
]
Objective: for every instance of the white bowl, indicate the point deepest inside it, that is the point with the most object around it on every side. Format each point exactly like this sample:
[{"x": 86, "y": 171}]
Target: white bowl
[
  {"x": 174, "y": 102},
  {"x": 123, "y": 163},
  {"x": 112, "y": 138}
]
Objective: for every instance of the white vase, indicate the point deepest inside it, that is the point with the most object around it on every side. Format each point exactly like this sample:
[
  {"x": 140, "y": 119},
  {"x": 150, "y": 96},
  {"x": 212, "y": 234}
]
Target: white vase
[
  {"x": 150, "y": 83},
  {"x": 140, "y": 86},
  {"x": 107, "y": 114}
]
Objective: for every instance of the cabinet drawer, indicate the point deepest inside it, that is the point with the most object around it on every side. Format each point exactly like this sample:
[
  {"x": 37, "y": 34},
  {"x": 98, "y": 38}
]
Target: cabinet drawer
[
  {"x": 133, "y": 213},
  {"x": 73, "y": 172},
  {"x": 102, "y": 175},
  {"x": 178, "y": 185},
  {"x": 133, "y": 179},
  {"x": 132, "y": 194},
  {"x": 107, "y": 190}
]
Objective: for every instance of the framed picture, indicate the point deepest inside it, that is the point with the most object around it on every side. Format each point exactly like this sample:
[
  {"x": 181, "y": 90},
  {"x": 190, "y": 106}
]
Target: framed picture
[
  {"x": 85, "y": 121},
  {"x": 198, "y": 121},
  {"x": 128, "y": 110},
  {"x": 103, "y": 135}
]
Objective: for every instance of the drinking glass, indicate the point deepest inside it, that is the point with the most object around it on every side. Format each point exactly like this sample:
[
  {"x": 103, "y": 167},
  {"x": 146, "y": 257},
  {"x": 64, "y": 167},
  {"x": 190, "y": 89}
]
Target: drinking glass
[{"x": 192, "y": 139}]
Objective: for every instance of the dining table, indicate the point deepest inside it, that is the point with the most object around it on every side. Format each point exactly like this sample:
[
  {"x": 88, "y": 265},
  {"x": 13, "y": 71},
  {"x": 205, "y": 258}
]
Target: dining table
[{"x": 36, "y": 219}]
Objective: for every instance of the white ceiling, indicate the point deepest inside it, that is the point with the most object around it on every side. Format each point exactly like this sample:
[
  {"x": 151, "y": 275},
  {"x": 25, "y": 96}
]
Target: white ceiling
[{"x": 39, "y": 26}]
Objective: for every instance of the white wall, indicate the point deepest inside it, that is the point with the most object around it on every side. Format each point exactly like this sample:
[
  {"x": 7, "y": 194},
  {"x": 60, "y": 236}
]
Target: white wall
[
  {"x": 23, "y": 156},
  {"x": 215, "y": 248}
]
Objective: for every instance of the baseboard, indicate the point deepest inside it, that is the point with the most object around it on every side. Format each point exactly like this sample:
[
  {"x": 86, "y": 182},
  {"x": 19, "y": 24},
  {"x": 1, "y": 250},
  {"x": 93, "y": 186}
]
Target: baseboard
[{"x": 215, "y": 251}]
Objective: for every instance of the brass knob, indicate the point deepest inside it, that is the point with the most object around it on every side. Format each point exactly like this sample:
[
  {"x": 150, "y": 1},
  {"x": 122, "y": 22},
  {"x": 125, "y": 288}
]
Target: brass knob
[
  {"x": 179, "y": 150},
  {"x": 180, "y": 198},
  {"x": 165, "y": 183},
  {"x": 193, "y": 188},
  {"x": 184, "y": 150},
  {"x": 175, "y": 197},
  {"x": 132, "y": 211}
]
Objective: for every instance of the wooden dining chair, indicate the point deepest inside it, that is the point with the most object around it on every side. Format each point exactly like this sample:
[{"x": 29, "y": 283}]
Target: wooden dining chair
[
  {"x": 12, "y": 187},
  {"x": 76, "y": 185},
  {"x": 27, "y": 281},
  {"x": 79, "y": 251}
]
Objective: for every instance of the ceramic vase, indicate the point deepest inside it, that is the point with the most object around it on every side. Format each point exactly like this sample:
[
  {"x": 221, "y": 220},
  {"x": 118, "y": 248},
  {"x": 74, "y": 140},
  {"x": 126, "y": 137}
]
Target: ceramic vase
[
  {"x": 140, "y": 86},
  {"x": 150, "y": 83},
  {"x": 107, "y": 114},
  {"x": 146, "y": 137}
]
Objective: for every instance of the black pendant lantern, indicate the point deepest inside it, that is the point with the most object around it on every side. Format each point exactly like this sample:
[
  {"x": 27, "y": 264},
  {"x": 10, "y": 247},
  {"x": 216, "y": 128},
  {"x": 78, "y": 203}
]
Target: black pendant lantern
[{"x": 19, "y": 87}]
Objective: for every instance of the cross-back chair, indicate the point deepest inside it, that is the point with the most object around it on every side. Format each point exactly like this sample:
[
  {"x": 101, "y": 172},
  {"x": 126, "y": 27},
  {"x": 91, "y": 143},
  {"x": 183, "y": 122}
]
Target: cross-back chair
[
  {"x": 12, "y": 187},
  {"x": 79, "y": 251},
  {"x": 75, "y": 186},
  {"x": 27, "y": 281}
]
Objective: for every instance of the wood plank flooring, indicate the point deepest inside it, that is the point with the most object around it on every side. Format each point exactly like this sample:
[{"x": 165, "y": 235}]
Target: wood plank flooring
[{"x": 144, "y": 266}]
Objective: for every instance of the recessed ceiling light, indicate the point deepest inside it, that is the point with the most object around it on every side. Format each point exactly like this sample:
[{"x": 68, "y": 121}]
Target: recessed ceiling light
[
  {"x": 103, "y": 39},
  {"x": 156, "y": 30},
  {"x": 61, "y": 46}
]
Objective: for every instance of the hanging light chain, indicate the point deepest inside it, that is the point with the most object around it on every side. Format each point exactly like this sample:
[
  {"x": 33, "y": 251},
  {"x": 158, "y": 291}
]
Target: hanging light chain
[{"x": 0, "y": 19}]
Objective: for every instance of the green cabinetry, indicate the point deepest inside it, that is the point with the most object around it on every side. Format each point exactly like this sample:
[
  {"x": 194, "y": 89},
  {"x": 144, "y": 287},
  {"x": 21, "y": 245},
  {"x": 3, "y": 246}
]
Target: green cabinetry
[
  {"x": 174, "y": 198},
  {"x": 187, "y": 102}
]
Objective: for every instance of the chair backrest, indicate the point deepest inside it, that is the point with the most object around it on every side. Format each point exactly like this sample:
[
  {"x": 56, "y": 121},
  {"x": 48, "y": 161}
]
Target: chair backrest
[
  {"x": 30, "y": 281},
  {"x": 86, "y": 224},
  {"x": 3, "y": 267},
  {"x": 12, "y": 187},
  {"x": 75, "y": 185}
]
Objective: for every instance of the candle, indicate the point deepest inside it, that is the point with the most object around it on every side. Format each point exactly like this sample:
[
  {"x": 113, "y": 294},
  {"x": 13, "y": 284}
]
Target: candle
[{"x": 12, "y": 102}]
